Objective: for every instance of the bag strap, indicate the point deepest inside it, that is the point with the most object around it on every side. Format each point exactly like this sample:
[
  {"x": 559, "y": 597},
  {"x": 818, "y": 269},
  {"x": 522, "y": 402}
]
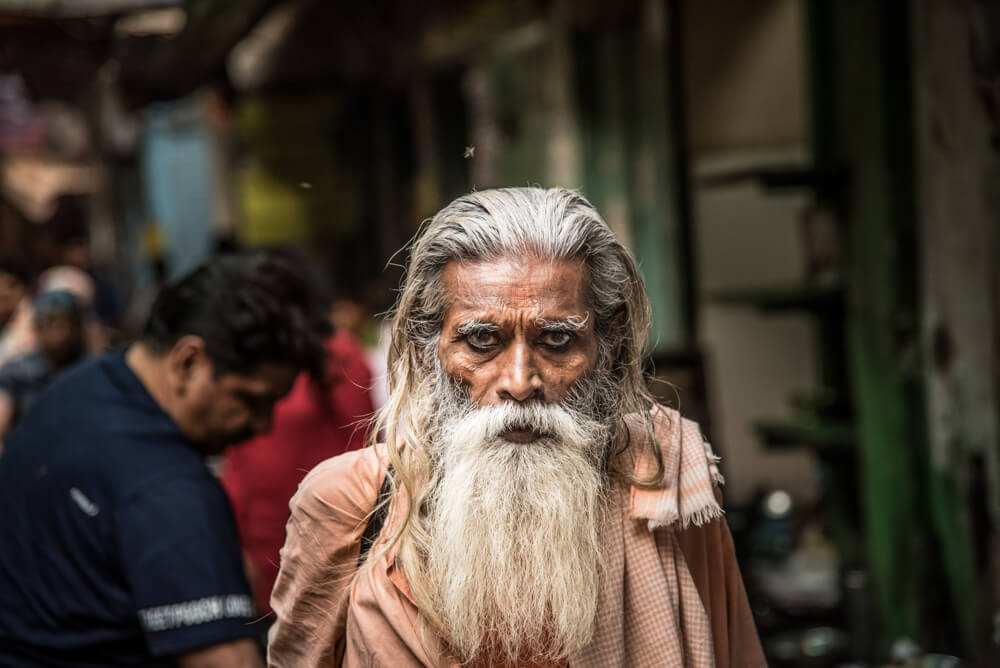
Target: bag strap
[{"x": 377, "y": 518}]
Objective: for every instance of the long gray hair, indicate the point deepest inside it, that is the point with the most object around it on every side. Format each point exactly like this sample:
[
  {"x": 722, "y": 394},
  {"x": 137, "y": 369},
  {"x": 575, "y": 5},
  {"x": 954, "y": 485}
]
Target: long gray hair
[{"x": 557, "y": 224}]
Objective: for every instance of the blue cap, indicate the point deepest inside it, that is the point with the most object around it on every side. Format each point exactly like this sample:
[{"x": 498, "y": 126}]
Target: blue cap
[{"x": 57, "y": 304}]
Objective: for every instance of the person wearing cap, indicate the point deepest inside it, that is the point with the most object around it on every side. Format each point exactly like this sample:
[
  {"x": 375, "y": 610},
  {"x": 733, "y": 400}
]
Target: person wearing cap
[{"x": 60, "y": 332}]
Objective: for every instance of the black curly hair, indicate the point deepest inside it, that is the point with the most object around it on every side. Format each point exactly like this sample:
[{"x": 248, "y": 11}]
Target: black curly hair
[{"x": 248, "y": 307}]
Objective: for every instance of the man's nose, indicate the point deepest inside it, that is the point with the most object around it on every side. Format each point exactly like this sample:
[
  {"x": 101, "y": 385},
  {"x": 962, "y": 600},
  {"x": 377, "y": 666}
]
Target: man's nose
[{"x": 520, "y": 379}]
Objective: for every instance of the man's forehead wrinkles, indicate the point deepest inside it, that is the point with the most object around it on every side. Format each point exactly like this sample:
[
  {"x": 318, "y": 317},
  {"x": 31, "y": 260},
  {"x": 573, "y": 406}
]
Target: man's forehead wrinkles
[
  {"x": 513, "y": 294},
  {"x": 481, "y": 302}
]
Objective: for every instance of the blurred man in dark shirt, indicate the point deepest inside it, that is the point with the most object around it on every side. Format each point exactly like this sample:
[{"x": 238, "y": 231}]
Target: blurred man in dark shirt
[{"x": 119, "y": 545}]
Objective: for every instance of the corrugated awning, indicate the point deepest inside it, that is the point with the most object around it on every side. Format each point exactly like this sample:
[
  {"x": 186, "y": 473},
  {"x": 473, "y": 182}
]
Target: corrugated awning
[{"x": 161, "y": 49}]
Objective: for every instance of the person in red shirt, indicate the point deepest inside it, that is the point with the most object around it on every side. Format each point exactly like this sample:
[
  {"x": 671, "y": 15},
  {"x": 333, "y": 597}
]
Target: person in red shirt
[{"x": 317, "y": 420}]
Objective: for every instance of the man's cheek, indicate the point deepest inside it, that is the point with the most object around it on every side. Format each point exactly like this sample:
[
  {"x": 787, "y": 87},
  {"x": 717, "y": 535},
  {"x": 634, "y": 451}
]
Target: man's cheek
[
  {"x": 459, "y": 370},
  {"x": 476, "y": 382}
]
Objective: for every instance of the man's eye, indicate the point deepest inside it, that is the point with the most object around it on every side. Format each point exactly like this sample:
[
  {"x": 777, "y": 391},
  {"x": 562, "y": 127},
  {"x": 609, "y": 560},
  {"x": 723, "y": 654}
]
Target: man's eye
[
  {"x": 557, "y": 339},
  {"x": 481, "y": 340}
]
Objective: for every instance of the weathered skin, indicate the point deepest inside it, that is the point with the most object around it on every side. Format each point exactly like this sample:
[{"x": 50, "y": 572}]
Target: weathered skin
[{"x": 497, "y": 338}]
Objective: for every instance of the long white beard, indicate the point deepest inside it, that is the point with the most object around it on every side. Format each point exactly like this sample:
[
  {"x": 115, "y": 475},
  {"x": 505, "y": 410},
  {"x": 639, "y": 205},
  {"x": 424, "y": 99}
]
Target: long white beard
[{"x": 514, "y": 554}]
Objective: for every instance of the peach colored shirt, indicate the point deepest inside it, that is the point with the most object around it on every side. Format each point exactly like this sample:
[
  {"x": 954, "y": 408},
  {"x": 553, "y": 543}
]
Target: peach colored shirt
[{"x": 672, "y": 596}]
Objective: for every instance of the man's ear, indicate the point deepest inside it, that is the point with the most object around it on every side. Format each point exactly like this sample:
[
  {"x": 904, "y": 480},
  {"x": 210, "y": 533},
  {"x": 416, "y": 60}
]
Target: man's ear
[{"x": 183, "y": 361}]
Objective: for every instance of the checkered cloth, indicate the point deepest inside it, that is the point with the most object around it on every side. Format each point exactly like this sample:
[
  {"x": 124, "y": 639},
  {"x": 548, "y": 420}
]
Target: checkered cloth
[
  {"x": 687, "y": 494},
  {"x": 651, "y": 613},
  {"x": 671, "y": 596}
]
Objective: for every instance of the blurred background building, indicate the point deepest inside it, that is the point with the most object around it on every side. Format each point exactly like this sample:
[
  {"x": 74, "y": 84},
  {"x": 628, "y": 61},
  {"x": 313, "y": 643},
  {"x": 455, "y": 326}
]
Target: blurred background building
[{"x": 812, "y": 188}]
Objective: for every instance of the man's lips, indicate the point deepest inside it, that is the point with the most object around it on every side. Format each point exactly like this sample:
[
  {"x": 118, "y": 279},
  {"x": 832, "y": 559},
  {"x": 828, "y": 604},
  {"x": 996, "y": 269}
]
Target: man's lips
[{"x": 521, "y": 435}]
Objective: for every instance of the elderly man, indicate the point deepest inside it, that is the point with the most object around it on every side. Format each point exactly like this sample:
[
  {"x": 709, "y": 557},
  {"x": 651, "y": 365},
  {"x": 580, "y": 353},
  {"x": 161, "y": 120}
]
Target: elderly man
[{"x": 539, "y": 508}]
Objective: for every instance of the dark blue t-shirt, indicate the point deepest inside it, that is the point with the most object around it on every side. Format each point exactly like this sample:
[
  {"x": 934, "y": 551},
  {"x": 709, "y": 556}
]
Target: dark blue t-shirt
[{"x": 117, "y": 544}]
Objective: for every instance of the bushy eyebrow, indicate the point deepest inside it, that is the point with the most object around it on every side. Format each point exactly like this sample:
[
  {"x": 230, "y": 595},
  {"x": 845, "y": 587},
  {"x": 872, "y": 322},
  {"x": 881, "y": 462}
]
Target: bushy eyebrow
[
  {"x": 476, "y": 326},
  {"x": 573, "y": 323}
]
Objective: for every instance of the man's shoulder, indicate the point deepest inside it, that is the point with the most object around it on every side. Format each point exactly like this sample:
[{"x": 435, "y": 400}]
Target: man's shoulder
[
  {"x": 365, "y": 465},
  {"x": 65, "y": 412},
  {"x": 82, "y": 388},
  {"x": 89, "y": 426},
  {"x": 671, "y": 432},
  {"x": 687, "y": 491},
  {"x": 99, "y": 395},
  {"x": 346, "y": 485}
]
